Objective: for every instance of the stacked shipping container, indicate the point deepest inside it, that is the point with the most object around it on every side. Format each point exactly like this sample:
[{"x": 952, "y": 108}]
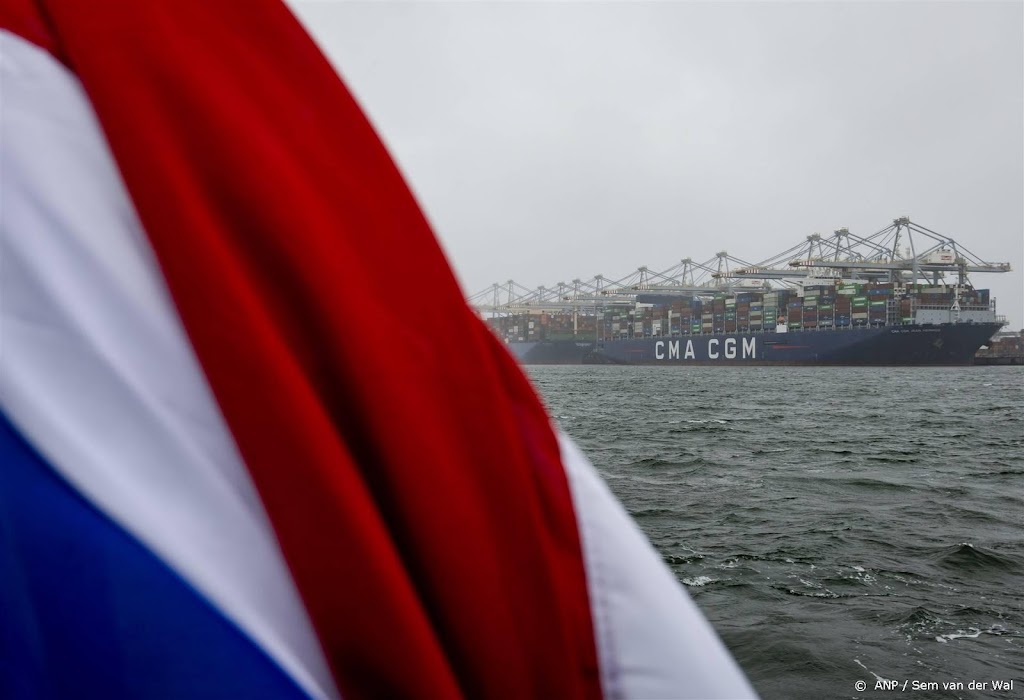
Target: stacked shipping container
[{"x": 842, "y": 305}]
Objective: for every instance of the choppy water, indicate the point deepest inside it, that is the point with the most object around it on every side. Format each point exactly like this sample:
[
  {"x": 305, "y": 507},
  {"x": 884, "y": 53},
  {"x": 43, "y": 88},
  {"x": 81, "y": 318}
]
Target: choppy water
[{"x": 834, "y": 524}]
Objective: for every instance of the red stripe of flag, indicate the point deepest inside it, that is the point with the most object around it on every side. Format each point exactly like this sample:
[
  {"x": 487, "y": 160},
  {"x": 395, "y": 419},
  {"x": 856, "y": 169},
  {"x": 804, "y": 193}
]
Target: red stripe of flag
[{"x": 410, "y": 472}]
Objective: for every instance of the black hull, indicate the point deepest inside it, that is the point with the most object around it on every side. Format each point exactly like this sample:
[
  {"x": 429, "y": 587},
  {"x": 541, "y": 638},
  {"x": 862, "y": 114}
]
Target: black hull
[{"x": 911, "y": 345}]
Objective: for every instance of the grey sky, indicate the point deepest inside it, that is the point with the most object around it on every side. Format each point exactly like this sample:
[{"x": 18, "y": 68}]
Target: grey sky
[{"x": 548, "y": 141}]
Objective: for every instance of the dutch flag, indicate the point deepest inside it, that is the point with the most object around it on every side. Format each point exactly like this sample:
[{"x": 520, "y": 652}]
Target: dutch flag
[{"x": 237, "y": 460}]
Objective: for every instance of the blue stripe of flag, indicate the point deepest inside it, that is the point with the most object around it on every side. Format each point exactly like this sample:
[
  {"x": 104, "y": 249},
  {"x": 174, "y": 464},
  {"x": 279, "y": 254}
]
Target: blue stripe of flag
[{"x": 87, "y": 612}]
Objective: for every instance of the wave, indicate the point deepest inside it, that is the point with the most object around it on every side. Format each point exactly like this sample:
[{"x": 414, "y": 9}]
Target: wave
[
  {"x": 973, "y": 633},
  {"x": 916, "y": 617},
  {"x": 967, "y": 557},
  {"x": 873, "y": 484},
  {"x": 658, "y": 463},
  {"x": 698, "y": 581},
  {"x": 893, "y": 459},
  {"x": 699, "y": 427},
  {"x": 699, "y": 421},
  {"x": 813, "y": 593},
  {"x": 967, "y": 610},
  {"x": 1005, "y": 472},
  {"x": 651, "y": 513}
]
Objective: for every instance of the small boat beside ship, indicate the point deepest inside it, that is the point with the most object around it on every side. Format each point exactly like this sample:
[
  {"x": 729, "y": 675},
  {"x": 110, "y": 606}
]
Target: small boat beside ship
[{"x": 1004, "y": 349}]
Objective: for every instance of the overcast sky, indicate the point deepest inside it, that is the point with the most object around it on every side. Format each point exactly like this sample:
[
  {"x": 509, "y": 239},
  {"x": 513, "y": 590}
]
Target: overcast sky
[{"x": 548, "y": 141}]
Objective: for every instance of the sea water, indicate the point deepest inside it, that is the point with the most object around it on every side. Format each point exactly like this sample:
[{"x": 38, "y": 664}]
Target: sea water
[{"x": 838, "y": 526}]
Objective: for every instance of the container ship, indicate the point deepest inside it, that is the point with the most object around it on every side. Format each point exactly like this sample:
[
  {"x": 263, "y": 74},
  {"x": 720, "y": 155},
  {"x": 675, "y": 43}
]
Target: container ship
[{"x": 885, "y": 299}]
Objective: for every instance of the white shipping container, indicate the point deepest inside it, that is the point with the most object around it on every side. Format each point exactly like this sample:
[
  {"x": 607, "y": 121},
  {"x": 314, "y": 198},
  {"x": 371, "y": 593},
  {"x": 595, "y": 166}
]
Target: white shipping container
[{"x": 941, "y": 256}]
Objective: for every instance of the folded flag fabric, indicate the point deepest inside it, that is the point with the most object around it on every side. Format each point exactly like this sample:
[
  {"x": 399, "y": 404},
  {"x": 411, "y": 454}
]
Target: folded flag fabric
[{"x": 236, "y": 458}]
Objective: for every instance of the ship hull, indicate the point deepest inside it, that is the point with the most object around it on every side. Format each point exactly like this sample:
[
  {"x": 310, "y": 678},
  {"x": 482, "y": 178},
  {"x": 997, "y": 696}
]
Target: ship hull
[{"x": 908, "y": 345}]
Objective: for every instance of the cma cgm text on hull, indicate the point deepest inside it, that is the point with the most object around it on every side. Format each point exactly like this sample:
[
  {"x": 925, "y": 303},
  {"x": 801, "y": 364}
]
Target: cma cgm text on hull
[
  {"x": 731, "y": 349},
  {"x": 841, "y": 300}
]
